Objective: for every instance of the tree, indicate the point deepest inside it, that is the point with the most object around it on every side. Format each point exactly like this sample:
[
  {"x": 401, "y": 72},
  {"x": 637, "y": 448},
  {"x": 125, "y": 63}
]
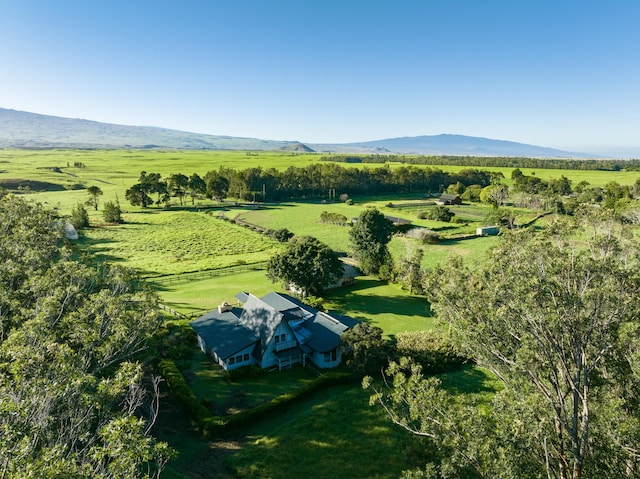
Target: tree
[
  {"x": 73, "y": 341},
  {"x": 307, "y": 264},
  {"x": 441, "y": 213},
  {"x": 365, "y": 350},
  {"x": 196, "y": 186},
  {"x": 494, "y": 194},
  {"x": 178, "y": 185},
  {"x": 410, "y": 273},
  {"x": 217, "y": 185},
  {"x": 79, "y": 216},
  {"x": 112, "y": 213},
  {"x": 138, "y": 195},
  {"x": 369, "y": 238},
  {"x": 557, "y": 320},
  {"x": 94, "y": 192}
]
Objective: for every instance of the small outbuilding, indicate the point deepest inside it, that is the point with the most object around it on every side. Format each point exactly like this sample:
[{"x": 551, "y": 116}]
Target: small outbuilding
[
  {"x": 448, "y": 199},
  {"x": 487, "y": 231}
]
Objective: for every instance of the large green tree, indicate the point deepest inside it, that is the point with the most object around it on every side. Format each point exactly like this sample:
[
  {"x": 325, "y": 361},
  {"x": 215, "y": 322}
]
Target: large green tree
[
  {"x": 369, "y": 238},
  {"x": 75, "y": 341},
  {"x": 557, "y": 320},
  {"x": 307, "y": 264}
]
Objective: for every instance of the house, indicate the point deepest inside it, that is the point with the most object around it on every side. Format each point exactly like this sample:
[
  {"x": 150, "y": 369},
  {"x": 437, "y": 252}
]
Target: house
[
  {"x": 447, "y": 199},
  {"x": 276, "y": 330}
]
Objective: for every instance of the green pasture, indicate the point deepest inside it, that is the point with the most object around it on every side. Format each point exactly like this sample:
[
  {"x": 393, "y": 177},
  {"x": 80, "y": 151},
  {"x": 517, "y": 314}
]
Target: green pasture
[
  {"x": 157, "y": 242},
  {"x": 195, "y": 297}
]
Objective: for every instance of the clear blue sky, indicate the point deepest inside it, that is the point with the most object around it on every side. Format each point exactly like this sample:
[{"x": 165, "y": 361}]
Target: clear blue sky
[{"x": 556, "y": 73}]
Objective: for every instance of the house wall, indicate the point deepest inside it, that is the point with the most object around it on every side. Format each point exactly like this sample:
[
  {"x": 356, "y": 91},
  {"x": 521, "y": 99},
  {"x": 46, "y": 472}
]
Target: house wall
[
  {"x": 239, "y": 359},
  {"x": 269, "y": 357},
  {"x": 327, "y": 360}
]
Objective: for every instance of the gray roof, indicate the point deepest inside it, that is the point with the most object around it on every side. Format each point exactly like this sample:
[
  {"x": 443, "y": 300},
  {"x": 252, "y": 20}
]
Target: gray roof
[
  {"x": 261, "y": 318},
  {"x": 229, "y": 332},
  {"x": 325, "y": 332},
  {"x": 223, "y": 332}
]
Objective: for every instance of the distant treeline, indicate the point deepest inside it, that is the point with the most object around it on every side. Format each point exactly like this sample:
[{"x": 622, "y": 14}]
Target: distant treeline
[
  {"x": 312, "y": 181},
  {"x": 485, "y": 161}
]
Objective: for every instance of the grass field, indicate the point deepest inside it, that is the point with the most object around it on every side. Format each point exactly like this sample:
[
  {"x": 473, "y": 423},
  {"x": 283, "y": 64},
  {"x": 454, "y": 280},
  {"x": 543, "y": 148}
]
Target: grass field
[{"x": 159, "y": 242}]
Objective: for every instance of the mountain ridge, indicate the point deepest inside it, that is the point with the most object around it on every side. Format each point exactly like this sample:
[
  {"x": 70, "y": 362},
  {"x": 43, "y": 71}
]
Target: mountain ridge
[{"x": 20, "y": 129}]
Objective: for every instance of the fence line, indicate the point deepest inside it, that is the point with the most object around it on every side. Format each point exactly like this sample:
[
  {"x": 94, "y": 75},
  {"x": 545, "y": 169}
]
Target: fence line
[{"x": 205, "y": 274}]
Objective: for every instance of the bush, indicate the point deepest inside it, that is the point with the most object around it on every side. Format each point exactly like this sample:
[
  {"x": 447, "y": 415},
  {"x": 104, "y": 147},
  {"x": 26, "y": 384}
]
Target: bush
[
  {"x": 441, "y": 213},
  {"x": 435, "y": 353},
  {"x": 182, "y": 392},
  {"x": 424, "y": 235},
  {"x": 112, "y": 213},
  {"x": 79, "y": 217}
]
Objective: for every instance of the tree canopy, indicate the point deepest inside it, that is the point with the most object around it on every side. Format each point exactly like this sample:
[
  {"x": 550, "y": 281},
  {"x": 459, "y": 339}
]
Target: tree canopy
[
  {"x": 307, "y": 264},
  {"x": 557, "y": 320},
  {"x": 75, "y": 398},
  {"x": 369, "y": 238}
]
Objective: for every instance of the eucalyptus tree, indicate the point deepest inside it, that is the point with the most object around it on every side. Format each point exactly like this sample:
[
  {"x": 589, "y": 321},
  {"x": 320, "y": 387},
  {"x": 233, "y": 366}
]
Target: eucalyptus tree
[
  {"x": 556, "y": 319},
  {"x": 76, "y": 342}
]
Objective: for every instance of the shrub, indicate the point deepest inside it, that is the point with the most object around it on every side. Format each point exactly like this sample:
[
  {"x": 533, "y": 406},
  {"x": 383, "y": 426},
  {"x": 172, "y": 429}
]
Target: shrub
[
  {"x": 441, "y": 213},
  {"x": 182, "y": 392},
  {"x": 435, "y": 353},
  {"x": 79, "y": 216},
  {"x": 112, "y": 213},
  {"x": 424, "y": 235}
]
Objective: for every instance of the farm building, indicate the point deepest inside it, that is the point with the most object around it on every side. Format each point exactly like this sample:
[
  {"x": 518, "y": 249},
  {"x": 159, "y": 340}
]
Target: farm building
[
  {"x": 487, "y": 231},
  {"x": 447, "y": 199},
  {"x": 276, "y": 330}
]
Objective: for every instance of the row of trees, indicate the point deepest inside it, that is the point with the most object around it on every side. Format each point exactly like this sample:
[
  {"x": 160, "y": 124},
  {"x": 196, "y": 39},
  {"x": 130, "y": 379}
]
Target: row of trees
[
  {"x": 316, "y": 180},
  {"x": 76, "y": 341},
  {"x": 493, "y": 161}
]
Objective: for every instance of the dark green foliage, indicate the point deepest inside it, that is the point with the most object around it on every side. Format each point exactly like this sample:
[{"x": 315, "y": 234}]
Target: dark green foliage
[
  {"x": 441, "y": 213},
  {"x": 433, "y": 351},
  {"x": 111, "y": 212},
  {"x": 79, "y": 217},
  {"x": 308, "y": 264},
  {"x": 180, "y": 389},
  {"x": 282, "y": 235},
  {"x": 94, "y": 192},
  {"x": 369, "y": 238},
  {"x": 365, "y": 350}
]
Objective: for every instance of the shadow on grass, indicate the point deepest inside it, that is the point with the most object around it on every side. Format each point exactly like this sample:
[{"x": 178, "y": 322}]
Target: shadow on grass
[{"x": 355, "y": 298}]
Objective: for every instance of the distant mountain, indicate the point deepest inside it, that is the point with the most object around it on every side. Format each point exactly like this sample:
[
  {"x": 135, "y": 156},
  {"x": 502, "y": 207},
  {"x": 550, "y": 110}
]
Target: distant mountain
[
  {"x": 19, "y": 129},
  {"x": 458, "y": 145}
]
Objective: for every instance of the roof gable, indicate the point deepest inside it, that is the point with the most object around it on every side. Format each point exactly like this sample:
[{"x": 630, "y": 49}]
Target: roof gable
[
  {"x": 223, "y": 333},
  {"x": 261, "y": 318}
]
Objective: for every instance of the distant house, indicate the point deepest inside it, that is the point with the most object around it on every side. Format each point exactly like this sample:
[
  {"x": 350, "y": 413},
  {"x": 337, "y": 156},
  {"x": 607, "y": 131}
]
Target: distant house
[
  {"x": 447, "y": 199},
  {"x": 276, "y": 330}
]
